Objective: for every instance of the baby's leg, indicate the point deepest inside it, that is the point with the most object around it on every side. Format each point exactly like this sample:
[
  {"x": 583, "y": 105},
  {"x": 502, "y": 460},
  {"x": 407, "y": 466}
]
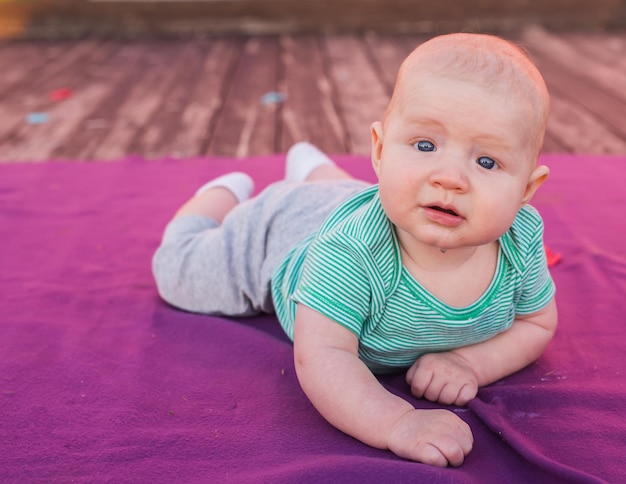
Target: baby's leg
[
  {"x": 195, "y": 267},
  {"x": 305, "y": 162},
  {"x": 218, "y": 197}
]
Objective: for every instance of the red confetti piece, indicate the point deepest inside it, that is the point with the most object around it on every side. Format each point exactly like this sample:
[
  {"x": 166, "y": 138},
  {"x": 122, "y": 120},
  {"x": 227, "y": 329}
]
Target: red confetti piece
[
  {"x": 553, "y": 257},
  {"x": 60, "y": 94}
]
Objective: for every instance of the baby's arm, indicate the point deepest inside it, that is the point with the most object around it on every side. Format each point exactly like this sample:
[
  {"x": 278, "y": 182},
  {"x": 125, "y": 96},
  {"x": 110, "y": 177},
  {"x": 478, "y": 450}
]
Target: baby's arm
[
  {"x": 348, "y": 395},
  {"x": 453, "y": 377}
]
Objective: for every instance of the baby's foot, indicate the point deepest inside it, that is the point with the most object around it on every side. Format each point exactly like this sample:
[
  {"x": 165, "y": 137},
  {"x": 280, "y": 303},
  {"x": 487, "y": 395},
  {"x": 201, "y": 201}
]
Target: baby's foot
[
  {"x": 302, "y": 159},
  {"x": 240, "y": 184}
]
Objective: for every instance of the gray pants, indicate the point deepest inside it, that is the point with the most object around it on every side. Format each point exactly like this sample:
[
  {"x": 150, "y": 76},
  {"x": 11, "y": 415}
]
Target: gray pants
[{"x": 205, "y": 267}]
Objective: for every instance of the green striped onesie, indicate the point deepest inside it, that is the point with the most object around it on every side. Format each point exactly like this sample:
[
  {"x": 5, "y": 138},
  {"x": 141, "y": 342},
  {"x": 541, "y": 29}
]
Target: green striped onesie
[{"x": 351, "y": 272}]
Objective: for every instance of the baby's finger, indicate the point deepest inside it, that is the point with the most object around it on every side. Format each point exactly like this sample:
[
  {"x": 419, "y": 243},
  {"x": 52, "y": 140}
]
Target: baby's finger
[
  {"x": 452, "y": 450},
  {"x": 463, "y": 442},
  {"x": 434, "y": 389},
  {"x": 467, "y": 393},
  {"x": 449, "y": 394},
  {"x": 430, "y": 454},
  {"x": 421, "y": 382}
]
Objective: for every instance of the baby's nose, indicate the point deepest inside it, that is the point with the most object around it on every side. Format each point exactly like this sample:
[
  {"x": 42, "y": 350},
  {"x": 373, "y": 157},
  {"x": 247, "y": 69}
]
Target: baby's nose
[{"x": 450, "y": 175}]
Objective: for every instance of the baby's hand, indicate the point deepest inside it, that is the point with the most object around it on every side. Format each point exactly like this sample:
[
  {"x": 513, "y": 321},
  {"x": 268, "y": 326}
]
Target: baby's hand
[
  {"x": 435, "y": 437},
  {"x": 443, "y": 377}
]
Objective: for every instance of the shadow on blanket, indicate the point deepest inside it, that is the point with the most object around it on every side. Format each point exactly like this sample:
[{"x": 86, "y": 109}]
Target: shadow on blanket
[{"x": 101, "y": 380}]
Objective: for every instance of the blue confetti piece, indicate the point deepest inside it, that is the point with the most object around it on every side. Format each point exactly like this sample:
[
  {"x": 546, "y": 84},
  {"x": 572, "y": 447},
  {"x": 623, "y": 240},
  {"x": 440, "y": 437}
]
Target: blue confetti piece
[
  {"x": 272, "y": 97},
  {"x": 37, "y": 118}
]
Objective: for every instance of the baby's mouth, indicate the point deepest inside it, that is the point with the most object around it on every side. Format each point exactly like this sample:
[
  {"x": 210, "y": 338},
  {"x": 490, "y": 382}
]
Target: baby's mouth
[
  {"x": 446, "y": 216},
  {"x": 444, "y": 210}
]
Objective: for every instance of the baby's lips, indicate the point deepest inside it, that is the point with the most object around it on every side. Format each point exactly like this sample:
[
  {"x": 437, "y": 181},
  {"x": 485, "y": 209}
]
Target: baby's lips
[{"x": 448, "y": 217}]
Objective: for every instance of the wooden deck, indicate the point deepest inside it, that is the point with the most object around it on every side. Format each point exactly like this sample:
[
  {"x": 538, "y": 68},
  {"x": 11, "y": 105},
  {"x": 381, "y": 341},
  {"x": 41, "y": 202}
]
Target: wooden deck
[{"x": 254, "y": 95}]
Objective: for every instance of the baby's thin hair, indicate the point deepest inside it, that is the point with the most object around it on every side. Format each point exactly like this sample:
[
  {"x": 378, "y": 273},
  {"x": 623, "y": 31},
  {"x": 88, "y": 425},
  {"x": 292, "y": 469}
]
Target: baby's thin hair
[{"x": 479, "y": 57}]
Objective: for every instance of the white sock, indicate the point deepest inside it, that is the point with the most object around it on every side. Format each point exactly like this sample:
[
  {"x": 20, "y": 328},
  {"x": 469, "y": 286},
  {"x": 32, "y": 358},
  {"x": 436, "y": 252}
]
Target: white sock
[
  {"x": 240, "y": 184},
  {"x": 302, "y": 159}
]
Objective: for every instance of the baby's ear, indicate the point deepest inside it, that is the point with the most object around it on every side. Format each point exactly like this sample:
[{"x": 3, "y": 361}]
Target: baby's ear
[
  {"x": 539, "y": 175},
  {"x": 377, "y": 144}
]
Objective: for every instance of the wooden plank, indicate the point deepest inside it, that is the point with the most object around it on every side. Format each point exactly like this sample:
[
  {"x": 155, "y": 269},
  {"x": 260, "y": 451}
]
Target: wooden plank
[
  {"x": 608, "y": 109},
  {"x": 575, "y": 61},
  {"x": 586, "y": 116},
  {"x": 389, "y": 51},
  {"x": 119, "y": 73},
  {"x": 607, "y": 47},
  {"x": 580, "y": 132},
  {"x": 50, "y": 65},
  {"x": 246, "y": 125},
  {"x": 309, "y": 112},
  {"x": 363, "y": 96},
  {"x": 164, "y": 124},
  {"x": 191, "y": 126},
  {"x": 18, "y": 59},
  {"x": 51, "y": 61},
  {"x": 161, "y": 65}
]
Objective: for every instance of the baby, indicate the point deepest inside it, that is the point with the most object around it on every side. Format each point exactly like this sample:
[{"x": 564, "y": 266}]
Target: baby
[{"x": 438, "y": 270}]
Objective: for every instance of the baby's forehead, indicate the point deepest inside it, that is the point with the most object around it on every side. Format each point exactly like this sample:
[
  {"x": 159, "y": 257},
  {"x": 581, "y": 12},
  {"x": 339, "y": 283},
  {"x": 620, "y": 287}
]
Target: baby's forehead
[
  {"x": 475, "y": 58},
  {"x": 490, "y": 62}
]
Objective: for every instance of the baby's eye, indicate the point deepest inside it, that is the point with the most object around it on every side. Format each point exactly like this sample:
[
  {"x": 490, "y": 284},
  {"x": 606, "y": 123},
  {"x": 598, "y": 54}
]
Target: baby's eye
[
  {"x": 425, "y": 146},
  {"x": 486, "y": 162}
]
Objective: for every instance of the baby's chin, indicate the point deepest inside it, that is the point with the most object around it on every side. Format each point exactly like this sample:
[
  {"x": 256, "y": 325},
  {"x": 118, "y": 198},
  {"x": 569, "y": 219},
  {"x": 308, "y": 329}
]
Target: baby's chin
[
  {"x": 448, "y": 246},
  {"x": 436, "y": 238}
]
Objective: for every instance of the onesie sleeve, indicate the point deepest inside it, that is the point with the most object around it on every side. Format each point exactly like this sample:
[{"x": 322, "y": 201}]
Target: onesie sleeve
[
  {"x": 537, "y": 288},
  {"x": 335, "y": 281}
]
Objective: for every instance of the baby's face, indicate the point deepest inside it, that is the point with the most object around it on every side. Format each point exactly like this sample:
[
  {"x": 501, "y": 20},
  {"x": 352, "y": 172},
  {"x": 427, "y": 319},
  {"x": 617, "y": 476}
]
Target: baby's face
[{"x": 455, "y": 161}]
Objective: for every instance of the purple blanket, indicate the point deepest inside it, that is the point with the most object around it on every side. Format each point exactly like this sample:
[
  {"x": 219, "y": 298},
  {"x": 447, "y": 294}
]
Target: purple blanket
[{"x": 101, "y": 380}]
